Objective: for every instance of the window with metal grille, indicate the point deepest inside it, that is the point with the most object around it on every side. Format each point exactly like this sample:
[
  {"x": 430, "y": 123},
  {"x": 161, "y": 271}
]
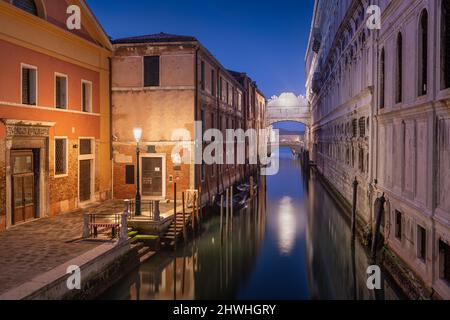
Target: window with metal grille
[
  {"x": 85, "y": 146},
  {"x": 362, "y": 127},
  {"x": 423, "y": 53},
  {"x": 26, "y": 5},
  {"x": 29, "y": 85},
  {"x": 61, "y": 92},
  {"x": 60, "y": 156},
  {"x": 355, "y": 128},
  {"x": 445, "y": 44},
  {"x": 151, "y": 71}
]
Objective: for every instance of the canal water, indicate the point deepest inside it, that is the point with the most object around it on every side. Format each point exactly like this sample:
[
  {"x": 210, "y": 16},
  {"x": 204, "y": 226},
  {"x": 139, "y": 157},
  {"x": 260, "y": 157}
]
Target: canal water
[{"x": 290, "y": 243}]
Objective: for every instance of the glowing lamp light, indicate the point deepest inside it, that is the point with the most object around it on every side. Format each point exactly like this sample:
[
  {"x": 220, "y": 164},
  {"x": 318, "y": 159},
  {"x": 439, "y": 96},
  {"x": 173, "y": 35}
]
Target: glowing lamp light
[{"x": 137, "y": 134}]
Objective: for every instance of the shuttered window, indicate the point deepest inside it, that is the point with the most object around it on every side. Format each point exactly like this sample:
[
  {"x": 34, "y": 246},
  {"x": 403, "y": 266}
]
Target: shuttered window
[
  {"x": 29, "y": 82},
  {"x": 213, "y": 83},
  {"x": 60, "y": 156},
  {"x": 86, "y": 92},
  {"x": 129, "y": 174},
  {"x": 61, "y": 92},
  {"x": 151, "y": 71},
  {"x": 26, "y": 5},
  {"x": 202, "y": 75}
]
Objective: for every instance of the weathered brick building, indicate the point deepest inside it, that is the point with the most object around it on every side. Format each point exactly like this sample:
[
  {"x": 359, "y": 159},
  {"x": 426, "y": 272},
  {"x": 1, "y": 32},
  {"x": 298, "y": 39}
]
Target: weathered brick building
[
  {"x": 54, "y": 110},
  {"x": 163, "y": 83}
]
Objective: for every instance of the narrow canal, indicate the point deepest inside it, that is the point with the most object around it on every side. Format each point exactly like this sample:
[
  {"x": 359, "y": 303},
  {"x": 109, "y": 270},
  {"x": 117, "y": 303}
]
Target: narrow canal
[{"x": 291, "y": 243}]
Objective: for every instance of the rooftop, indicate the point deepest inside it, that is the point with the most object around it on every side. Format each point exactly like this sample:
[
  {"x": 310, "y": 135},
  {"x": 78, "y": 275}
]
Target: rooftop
[{"x": 155, "y": 38}]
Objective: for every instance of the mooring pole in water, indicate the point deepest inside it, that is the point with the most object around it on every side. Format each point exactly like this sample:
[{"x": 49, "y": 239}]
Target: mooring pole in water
[
  {"x": 227, "y": 207},
  {"x": 221, "y": 218},
  {"x": 175, "y": 213},
  {"x": 200, "y": 199},
  {"x": 379, "y": 206},
  {"x": 231, "y": 208},
  {"x": 184, "y": 216},
  {"x": 251, "y": 187},
  {"x": 193, "y": 214},
  {"x": 355, "y": 195}
]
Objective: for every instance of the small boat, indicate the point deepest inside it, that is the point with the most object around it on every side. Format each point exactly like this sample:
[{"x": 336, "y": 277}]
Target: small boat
[
  {"x": 239, "y": 201},
  {"x": 245, "y": 187}
]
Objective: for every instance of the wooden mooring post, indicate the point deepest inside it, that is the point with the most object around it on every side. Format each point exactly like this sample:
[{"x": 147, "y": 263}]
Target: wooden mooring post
[
  {"x": 354, "y": 203},
  {"x": 231, "y": 208},
  {"x": 221, "y": 218},
  {"x": 184, "y": 215},
  {"x": 227, "y": 194},
  {"x": 193, "y": 213},
  {"x": 175, "y": 213}
]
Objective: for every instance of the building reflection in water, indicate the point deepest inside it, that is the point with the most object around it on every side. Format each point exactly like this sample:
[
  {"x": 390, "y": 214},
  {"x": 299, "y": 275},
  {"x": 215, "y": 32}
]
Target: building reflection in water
[{"x": 291, "y": 243}]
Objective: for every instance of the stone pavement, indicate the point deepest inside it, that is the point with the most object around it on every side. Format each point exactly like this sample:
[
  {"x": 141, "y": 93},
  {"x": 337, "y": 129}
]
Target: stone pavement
[
  {"x": 33, "y": 248},
  {"x": 36, "y": 247}
]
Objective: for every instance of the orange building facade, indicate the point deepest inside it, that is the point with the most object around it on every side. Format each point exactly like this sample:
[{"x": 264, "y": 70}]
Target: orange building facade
[{"x": 54, "y": 110}]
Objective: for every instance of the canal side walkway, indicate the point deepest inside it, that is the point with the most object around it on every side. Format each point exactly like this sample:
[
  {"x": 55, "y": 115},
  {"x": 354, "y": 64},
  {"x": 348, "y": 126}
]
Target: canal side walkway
[{"x": 36, "y": 254}]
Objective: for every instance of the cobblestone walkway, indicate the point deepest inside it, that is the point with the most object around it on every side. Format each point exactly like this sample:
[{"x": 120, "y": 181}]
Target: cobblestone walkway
[{"x": 36, "y": 247}]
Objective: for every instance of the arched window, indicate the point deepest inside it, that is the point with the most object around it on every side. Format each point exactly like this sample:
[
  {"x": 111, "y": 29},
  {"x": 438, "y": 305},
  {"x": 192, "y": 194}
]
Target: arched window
[
  {"x": 26, "y": 5},
  {"x": 382, "y": 78},
  {"x": 445, "y": 44},
  {"x": 399, "y": 70},
  {"x": 423, "y": 53}
]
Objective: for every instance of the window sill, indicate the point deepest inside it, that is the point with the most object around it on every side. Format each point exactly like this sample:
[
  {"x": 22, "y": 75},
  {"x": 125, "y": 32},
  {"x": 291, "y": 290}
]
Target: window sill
[{"x": 61, "y": 176}]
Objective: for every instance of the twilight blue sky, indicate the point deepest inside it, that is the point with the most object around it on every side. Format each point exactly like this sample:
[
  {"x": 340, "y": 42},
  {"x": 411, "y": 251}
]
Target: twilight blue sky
[{"x": 265, "y": 38}]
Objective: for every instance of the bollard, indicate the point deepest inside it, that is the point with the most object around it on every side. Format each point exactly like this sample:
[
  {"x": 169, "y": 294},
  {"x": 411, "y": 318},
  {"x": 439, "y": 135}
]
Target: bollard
[
  {"x": 124, "y": 221},
  {"x": 184, "y": 217},
  {"x": 231, "y": 208},
  {"x": 86, "y": 232},
  {"x": 227, "y": 207}
]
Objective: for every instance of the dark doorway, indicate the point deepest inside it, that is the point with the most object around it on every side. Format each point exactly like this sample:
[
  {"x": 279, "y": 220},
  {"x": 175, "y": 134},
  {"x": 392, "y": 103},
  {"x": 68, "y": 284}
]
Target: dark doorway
[
  {"x": 152, "y": 177},
  {"x": 85, "y": 180}
]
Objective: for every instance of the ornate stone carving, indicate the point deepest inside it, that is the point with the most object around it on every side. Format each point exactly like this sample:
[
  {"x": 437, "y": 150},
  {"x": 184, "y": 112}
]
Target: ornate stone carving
[{"x": 26, "y": 131}]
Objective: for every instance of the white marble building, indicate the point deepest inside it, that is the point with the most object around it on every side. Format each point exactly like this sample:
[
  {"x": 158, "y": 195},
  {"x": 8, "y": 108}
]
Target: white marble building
[{"x": 380, "y": 104}]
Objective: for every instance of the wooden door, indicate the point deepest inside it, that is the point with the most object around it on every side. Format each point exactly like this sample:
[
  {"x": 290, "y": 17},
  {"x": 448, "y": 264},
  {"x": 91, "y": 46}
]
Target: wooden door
[
  {"x": 23, "y": 190},
  {"x": 85, "y": 180},
  {"x": 152, "y": 177}
]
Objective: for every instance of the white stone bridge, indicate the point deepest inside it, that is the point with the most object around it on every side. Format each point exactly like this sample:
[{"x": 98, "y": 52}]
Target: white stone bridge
[{"x": 288, "y": 107}]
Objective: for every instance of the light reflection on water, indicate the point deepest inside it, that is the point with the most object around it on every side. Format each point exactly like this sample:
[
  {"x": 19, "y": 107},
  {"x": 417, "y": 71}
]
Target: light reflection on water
[{"x": 291, "y": 243}]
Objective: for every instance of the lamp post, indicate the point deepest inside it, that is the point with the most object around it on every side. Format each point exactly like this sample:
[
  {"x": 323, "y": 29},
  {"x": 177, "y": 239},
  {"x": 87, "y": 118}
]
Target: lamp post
[{"x": 137, "y": 136}]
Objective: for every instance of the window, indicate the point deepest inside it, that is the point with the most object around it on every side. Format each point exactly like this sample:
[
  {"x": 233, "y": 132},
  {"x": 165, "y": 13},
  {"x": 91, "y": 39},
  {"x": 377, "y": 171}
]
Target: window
[
  {"x": 398, "y": 224},
  {"x": 85, "y": 147},
  {"x": 382, "y": 78},
  {"x": 399, "y": 70},
  {"x": 129, "y": 174},
  {"x": 86, "y": 96},
  {"x": 220, "y": 89},
  {"x": 444, "y": 261},
  {"x": 423, "y": 54},
  {"x": 213, "y": 83},
  {"x": 355, "y": 128},
  {"x": 151, "y": 71},
  {"x": 203, "y": 119},
  {"x": 26, "y": 5},
  {"x": 29, "y": 85},
  {"x": 202, "y": 75},
  {"x": 60, "y": 91},
  {"x": 361, "y": 160},
  {"x": 445, "y": 44},
  {"x": 60, "y": 156},
  {"x": 228, "y": 93},
  {"x": 421, "y": 243},
  {"x": 362, "y": 127}
]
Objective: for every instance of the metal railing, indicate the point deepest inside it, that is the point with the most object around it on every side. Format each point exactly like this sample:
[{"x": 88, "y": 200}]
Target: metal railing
[{"x": 147, "y": 209}]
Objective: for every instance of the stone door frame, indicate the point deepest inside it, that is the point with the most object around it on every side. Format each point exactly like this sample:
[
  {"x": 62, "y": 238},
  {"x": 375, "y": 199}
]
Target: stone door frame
[{"x": 23, "y": 134}]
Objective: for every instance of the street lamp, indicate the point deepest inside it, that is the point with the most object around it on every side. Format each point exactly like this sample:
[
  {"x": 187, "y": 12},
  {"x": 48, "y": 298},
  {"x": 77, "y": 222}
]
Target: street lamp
[{"x": 137, "y": 136}]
